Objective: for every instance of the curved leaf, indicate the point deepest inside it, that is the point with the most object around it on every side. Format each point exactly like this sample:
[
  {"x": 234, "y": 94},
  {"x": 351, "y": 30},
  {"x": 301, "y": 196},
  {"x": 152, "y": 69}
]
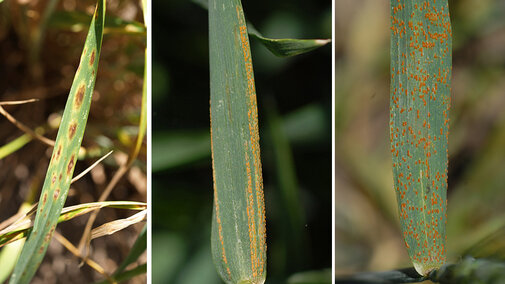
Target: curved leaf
[
  {"x": 14, "y": 145},
  {"x": 22, "y": 227},
  {"x": 138, "y": 248},
  {"x": 287, "y": 47},
  {"x": 279, "y": 47}
]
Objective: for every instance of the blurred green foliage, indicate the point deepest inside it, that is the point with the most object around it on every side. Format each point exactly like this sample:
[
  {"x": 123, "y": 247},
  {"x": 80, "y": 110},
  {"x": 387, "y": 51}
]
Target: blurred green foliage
[
  {"x": 294, "y": 102},
  {"x": 367, "y": 231}
]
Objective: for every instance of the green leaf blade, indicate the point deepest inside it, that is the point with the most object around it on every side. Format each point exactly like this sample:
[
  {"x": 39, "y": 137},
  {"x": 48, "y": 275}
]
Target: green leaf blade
[
  {"x": 421, "y": 64},
  {"x": 238, "y": 224},
  {"x": 138, "y": 248},
  {"x": 64, "y": 157},
  {"x": 14, "y": 145},
  {"x": 288, "y": 47},
  {"x": 284, "y": 47}
]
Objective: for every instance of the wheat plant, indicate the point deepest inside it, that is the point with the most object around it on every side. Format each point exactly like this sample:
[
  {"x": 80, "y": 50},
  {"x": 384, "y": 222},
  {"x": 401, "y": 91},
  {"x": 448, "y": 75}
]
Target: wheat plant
[
  {"x": 38, "y": 222},
  {"x": 239, "y": 222},
  {"x": 432, "y": 204}
]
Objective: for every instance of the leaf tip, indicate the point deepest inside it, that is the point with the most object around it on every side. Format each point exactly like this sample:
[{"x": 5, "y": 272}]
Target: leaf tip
[
  {"x": 322, "y": 42},
  {"x": 425, "y": 269}
]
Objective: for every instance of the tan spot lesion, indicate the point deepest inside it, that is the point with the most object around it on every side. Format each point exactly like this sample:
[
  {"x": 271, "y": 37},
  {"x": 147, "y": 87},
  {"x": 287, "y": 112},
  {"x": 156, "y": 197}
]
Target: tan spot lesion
[
  {"x": 56, "y": 193},
  {"x": 71, "y": 164},
  {"x": 79, "y": 95},
  {"x": 48, "y": 236},
  {"x": 57, "y": 156},
  {"x": 71, "y": 130},
  {"x": 92, "y": 57}
]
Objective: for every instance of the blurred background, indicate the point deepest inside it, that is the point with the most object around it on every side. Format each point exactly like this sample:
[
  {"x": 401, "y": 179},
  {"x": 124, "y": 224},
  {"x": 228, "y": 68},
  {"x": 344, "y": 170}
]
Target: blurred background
[
  {"x": 368, "y": 236},
  {"x": 294, "y": 101},
  {"x": 44, "y": 70}
]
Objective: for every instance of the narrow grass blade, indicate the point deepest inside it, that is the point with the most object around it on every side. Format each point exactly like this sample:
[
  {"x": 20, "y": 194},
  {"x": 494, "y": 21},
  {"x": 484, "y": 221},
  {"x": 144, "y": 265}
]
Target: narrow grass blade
[
  {"x": 238, "y": 223},
  {"x": 491, "y": 243},
  {"x": 80, "y": 175},
  {"x": 40, "y": 30},
  {"x": 8, "y": 257},
  {"x": 127, "y": 275},
  {"x": 287, "y": 47},
  {"x": 10, "y": 253},
  {"x": 78, "y": 210},
  {"x": 25, "y": 128},
  {"x": 421, "y": 63},
  {"x": 18, "y": 220},
  {"x": 117, "y": 225},
  {"x": 138, "y": 248},
  {"x": 293, "y": 214},
  {"x": 14, "y": 145},
  {"x": 143, "y": 118},
  {"x": 202, "y": 3},
  {"x": 64, "y": 157},
  {"x": 144, "y": 11},
  {"x": 22, "y": 227}
]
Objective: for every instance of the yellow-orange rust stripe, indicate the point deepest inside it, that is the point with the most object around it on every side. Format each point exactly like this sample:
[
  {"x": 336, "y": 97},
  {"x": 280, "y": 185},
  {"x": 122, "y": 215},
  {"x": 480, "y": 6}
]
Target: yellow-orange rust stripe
[
  {"x": 250, "y": 216},
  {"x": 257, "y": 253},
  {"x": 216, "y": 204}
]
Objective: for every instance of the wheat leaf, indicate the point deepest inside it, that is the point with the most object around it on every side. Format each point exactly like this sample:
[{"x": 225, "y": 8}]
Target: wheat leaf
[
  {"x": 64, "y": 157},
  {"x": 238, "y": 223},
  {"x": 421, "y": 64}
]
